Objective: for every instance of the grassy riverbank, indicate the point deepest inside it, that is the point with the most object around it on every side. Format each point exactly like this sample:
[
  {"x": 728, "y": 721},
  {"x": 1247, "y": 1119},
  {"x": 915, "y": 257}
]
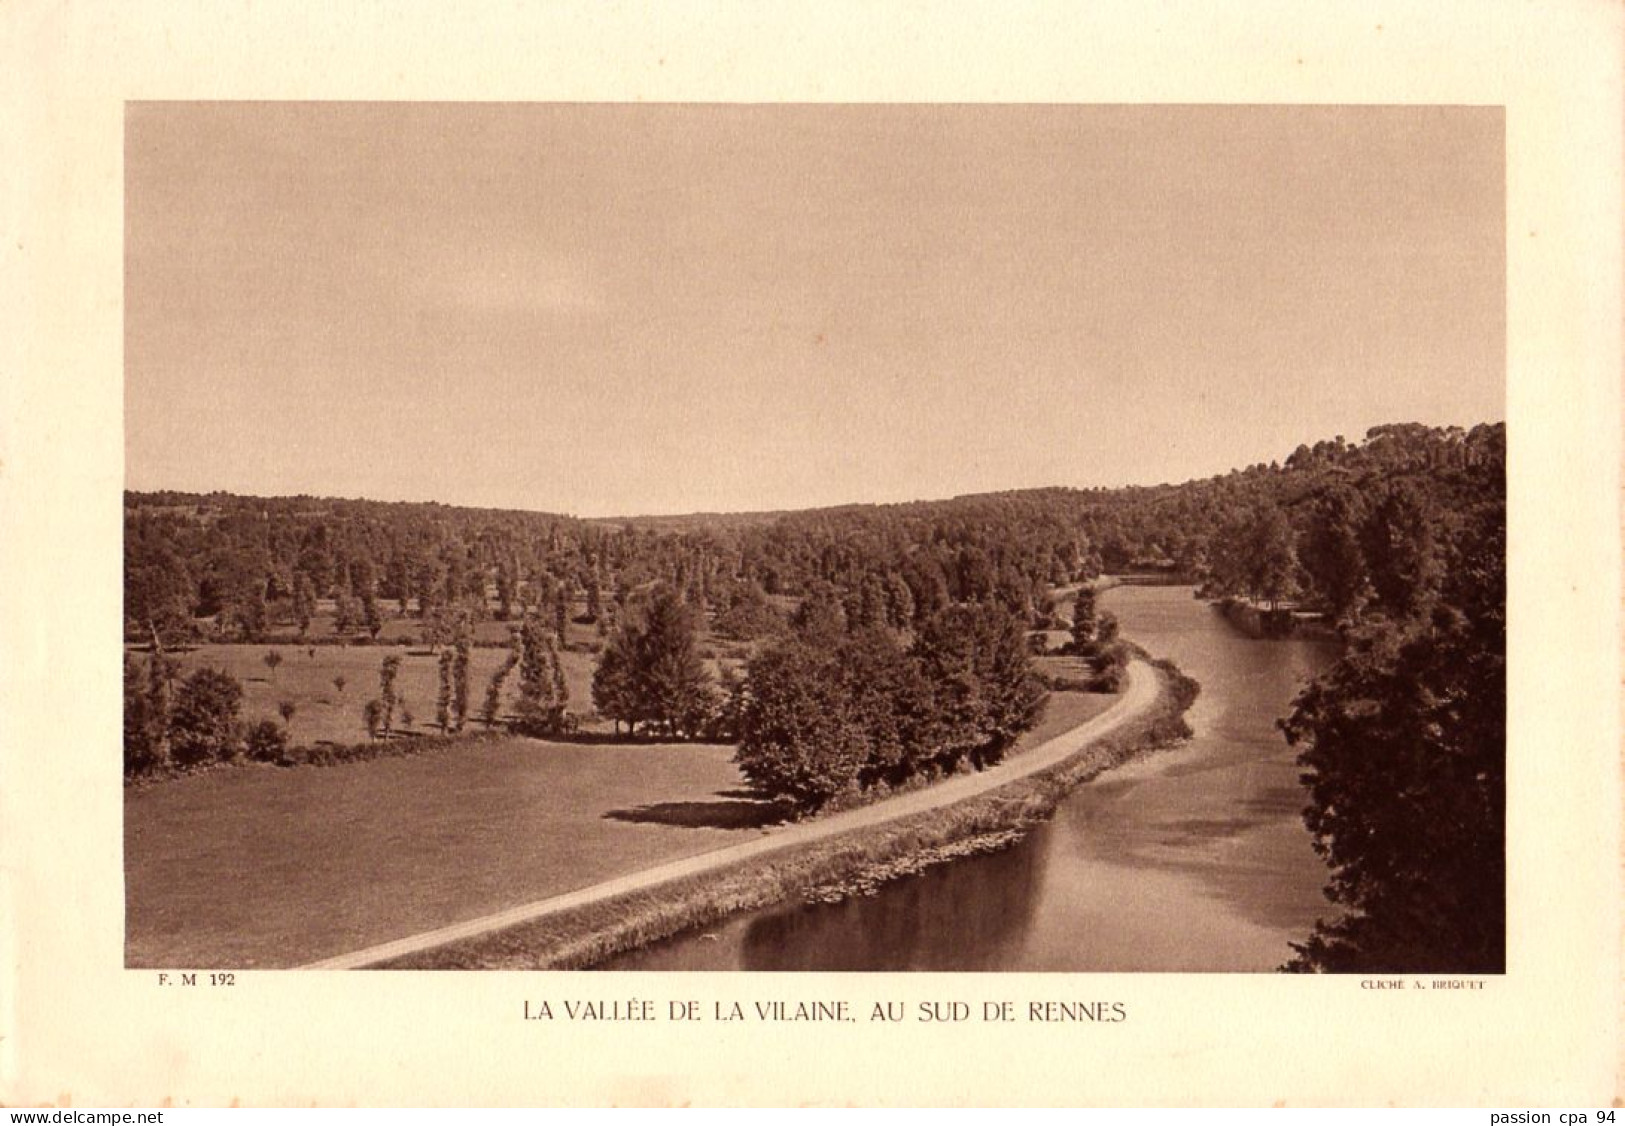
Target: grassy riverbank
[{"x": 590, "y": 934}]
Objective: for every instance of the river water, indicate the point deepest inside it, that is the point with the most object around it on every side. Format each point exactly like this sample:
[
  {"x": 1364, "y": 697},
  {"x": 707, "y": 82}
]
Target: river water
[{"x": 1194, "y": 859}]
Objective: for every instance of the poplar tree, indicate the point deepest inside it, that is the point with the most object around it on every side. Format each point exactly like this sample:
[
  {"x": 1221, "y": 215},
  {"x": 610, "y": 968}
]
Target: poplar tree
[
  {"x": 1085, "y": 622},
  {"x": 595, "y": 596},
  {"x": 492, "y": 708},
  {"x": 459, "y": 680},
  {"x": 304, "y": 603},
  {"x": 561, "y": 610},
  {"x": 561, "y": 690},
  {"x": 540, "y": 710},
  {"x": 387, "y": 698},
  {"x": 442, "y": 700}
]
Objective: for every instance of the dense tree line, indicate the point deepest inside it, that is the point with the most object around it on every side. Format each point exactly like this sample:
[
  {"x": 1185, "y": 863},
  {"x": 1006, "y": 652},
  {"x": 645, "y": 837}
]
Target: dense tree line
[
  {"x": 830, "y": 710},
  {"x": 1403, "y": 738},
  {"x": 247, "y": 568}
]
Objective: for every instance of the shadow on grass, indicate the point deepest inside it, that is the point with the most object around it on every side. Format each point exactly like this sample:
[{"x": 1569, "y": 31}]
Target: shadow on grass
[{"x": 734, "y": 812}]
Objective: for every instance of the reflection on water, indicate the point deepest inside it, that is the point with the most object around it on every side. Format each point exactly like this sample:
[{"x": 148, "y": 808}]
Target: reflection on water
[
  {"x": 965, "y": 915},
  {"x": 1194, "y": 859}
]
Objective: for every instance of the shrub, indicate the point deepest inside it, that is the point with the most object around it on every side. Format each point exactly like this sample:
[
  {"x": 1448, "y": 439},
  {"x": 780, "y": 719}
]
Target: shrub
[
  {"x": 203, "y": 722},
  {"x": 266, "y": 742},
  {"x": 1108, "y": 667}
]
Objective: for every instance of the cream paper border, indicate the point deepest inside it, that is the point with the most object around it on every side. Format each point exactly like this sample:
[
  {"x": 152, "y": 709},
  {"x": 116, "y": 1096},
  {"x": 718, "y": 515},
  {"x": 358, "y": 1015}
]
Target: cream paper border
[{"x": 79, "y": 1028}]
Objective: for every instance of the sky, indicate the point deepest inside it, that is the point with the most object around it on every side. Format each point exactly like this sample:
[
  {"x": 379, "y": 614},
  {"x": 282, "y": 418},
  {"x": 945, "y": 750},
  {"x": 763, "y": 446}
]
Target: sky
[{"x": 646, "y": 309}]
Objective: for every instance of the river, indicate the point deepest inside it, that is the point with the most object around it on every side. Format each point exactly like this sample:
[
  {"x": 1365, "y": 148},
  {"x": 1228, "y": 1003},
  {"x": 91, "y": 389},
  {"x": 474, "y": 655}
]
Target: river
[{"x": 1193, "y": 859}]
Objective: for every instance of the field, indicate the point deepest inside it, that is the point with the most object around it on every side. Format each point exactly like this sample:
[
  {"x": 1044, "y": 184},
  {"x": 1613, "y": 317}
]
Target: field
[
  {"x": 263, "y": 867},
  {"x": 326, "y": 713}
]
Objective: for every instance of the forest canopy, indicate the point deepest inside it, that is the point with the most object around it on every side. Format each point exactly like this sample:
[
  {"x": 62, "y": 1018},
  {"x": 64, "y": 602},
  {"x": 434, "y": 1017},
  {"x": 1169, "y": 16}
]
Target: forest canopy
[{"x": 249, "y": 568}]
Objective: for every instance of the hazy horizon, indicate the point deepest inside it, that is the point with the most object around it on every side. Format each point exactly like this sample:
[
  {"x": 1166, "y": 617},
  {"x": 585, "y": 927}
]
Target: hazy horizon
[
  {"x": 659, "y": 310},
  {"x": 696, "y": 512}
]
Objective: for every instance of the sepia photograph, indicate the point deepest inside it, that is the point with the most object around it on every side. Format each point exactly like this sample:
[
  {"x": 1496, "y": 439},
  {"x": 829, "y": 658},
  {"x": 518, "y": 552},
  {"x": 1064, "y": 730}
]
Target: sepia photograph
[
  {"x": 961, "y": 555},
  {"x": 815, "y": 537}
]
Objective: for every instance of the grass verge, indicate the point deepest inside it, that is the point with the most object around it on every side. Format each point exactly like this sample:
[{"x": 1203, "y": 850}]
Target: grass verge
[{"x": 586, "y": 936}]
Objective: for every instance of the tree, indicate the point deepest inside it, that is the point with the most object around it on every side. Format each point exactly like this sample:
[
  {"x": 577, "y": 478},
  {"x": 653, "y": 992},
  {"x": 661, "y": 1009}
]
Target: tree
[
  {"x": 540, "y": 711},
  {"x": 614, "y": 685},
  {"x": 975, "y": 658},
  {"x": 145, "y": 718},
  {"x": 442, "y": 702},
  {"x": 821, "y": 618},
  {"x": 595, "y": 596},
  {"x": 427, "y": 578},
  {"x": 1403, "y": 741},
  {"x": 798, "y": 739},
  {"x": 506, "y": 581},
  {"x": 889, "y": 700},
  {"x": 728, "y": 720},
  {"x": 1332, "y": 556},
  {"x": 491, "y": 711},
  {"x": 671, "y": 677},
  {"x": 460, "y": 660},
  {"x": 437, "y": 627},
  {"x": 304, "y": 603},
  {"x": 287, "y": 709},
  {"x": 750, "y": 615},
  {"x": 1402, "y": 554},
  {"x": 899, "y": 601},
  {"x": 233, "y": 589},
  {"x": 1043, "y": 603},
  {"x": 344, "y": 613},
  {"x": 561, "y": 611},
  {"x": 815, "y": 722},
  {"x": 162, "y": 672},
  {"x": 203, "y": 723},
  {"x": 339, "y": 682},
  {"x": 398, "y": 577},
  {"x": 1085, "y": 622},
  {"x": 561, "y": 688},
  {"x": 1106, "y": 633},
  {"x": 272, "y": 659},
  {"x": 158, "y": 593},
  {"x": 1272, "y": 556},
  {"x": 651, "y": 672},
  {"x": 372, "y": 616},
  {"x": 866, "y": 606},
  {"x": 387, "y": 698},
  {"x": 372, "y": 714}
]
